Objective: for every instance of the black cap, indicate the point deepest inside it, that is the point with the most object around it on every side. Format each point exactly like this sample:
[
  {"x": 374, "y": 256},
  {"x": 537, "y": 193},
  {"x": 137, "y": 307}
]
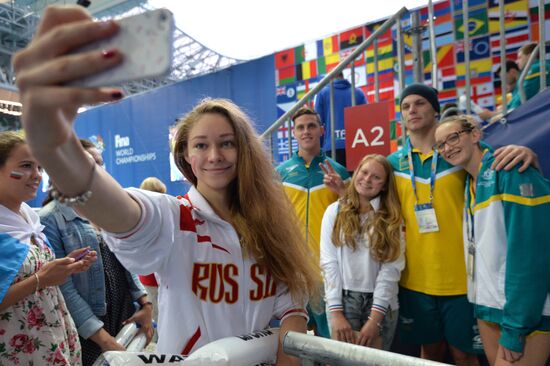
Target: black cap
[{"x": 424, "y": 91}]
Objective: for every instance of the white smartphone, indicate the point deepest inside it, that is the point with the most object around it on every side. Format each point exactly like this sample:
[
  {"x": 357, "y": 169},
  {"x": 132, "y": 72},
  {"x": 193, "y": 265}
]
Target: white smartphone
[{"x": 145, "y": 40}]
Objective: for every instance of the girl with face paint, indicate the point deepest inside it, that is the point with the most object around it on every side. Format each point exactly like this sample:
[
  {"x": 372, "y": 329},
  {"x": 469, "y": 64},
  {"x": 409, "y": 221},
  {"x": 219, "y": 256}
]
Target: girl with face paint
[
  {"x": 35, "y": 326},
  {"x": 229, "y": 255}
]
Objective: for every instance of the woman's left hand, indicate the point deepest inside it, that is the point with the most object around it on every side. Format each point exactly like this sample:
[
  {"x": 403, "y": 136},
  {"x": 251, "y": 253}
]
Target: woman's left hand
[
  {"x": 369, "y": 335},
  {"x": 144, "y": 317},
  {"x": 508, "y": 355}
]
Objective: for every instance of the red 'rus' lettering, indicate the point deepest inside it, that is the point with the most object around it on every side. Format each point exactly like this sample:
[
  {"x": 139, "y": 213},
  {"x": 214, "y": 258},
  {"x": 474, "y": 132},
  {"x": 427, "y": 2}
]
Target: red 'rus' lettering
[
  {"x": 230, "y": 272},
  {"x": 215, "y": 282},
  {"x": 201, "y": 274}
]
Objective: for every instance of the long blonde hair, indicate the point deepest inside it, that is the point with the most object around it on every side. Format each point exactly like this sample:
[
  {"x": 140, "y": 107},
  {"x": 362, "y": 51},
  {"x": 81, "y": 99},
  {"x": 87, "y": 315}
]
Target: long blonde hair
[
  {"x": 260, "y": 211},
  {"x": 383, "y": 227}
]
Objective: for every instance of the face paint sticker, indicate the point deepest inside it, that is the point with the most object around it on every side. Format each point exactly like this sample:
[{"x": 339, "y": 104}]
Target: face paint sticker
[{"x": 16, "y": 175}]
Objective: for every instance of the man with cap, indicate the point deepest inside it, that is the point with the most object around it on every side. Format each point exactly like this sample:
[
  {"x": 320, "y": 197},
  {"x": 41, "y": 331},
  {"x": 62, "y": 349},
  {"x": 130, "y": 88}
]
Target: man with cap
[{"x": 432, "y": 297}]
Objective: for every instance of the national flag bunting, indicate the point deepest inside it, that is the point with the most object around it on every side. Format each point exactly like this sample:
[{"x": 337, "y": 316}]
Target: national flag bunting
[
  {"x": 309, "y": 69},
  {"x": 284, "y": 58},
  {"x": 330, "y": 45},
  {"x": 516, "y": 14},
  {"x": 286, "y": 75},
  {"x": 327, "y": 63},
  {"x": 514, "y": 39},
  {"x": 299, "y": 55},
  {"x": 359, "y": 61},
  {"x": 351, "y": 38},
  {"x": 477, "y": 24},
  {"x": 313, "y": 50}
]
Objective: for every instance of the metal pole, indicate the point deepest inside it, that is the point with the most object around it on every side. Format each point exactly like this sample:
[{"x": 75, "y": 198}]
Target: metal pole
[
  {"x": 289, "y": 122},
  {"x": 332, "y": 132},
  {"x": 525, "y": 71},
  {"x": 328, "y": 351},
  {"x": 466, "y": 39},
  {"x": 433, "y": 47},
  {"x": 416, "y": 34},
  {"x": 503, "y": 85},
  {"x": 401, "y": 72},
  {"x": 353, "y": 101},
  {"x": 376, "y": 81},
  {"x": 361, "y": 48},
  {"x": 542, "y": 46}
]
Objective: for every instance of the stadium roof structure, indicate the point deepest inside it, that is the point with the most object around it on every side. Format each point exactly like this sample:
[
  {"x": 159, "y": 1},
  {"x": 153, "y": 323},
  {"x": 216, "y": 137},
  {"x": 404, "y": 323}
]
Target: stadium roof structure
[{"x": 18, "y": 20}]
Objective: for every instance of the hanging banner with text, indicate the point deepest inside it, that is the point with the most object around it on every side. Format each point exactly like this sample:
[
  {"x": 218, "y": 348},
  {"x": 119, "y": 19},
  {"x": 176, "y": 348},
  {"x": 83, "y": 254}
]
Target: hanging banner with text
[{"x": 367, "y": 132}]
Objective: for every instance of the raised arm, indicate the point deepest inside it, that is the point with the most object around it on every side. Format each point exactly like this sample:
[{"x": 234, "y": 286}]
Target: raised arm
[{"x": 49, "y": 110}]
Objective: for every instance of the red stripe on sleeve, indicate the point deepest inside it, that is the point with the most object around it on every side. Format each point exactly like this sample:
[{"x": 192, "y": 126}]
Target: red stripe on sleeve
[{"x": 191, "y": 343}]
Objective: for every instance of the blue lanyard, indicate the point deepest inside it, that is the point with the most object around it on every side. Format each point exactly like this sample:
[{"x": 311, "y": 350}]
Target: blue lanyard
[{"x": 433, "y": 172}]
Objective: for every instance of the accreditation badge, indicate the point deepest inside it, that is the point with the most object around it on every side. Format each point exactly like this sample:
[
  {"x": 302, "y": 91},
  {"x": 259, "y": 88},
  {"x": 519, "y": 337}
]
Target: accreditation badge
[
  {"x": 426, "y": 219},
  {"x": 471, "y": 261}
]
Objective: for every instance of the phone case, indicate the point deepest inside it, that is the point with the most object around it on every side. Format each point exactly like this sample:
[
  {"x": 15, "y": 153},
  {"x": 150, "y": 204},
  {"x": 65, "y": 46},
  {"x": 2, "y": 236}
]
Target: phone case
[{"x": 146, "y": 40}]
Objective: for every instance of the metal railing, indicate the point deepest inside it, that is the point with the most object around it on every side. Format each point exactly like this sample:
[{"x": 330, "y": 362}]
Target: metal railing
[
  {"x": 329, "y": 78},
  {"x": 418, "y": 75},
  {"x": 537, "y": 52},
  {"x": 331, "y": 352}
]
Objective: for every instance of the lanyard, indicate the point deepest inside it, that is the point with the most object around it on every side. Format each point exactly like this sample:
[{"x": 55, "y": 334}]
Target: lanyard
[
  {"x": 433, "y": 172},
  {"x": 469, "y": 202}
]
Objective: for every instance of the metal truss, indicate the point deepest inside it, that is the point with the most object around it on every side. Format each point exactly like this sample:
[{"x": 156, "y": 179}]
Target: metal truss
[{"x": 18, "y": 19}]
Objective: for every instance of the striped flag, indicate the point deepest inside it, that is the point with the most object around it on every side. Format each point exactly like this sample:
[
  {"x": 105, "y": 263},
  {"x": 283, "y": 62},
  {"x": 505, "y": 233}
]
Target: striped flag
[
  {"x": 327, "y": 63},
  {"x": 309, "y": 69},
  {"x": 472, "y": 4},
  {"x": 352, "y": 38},
  {"x": 515, "y": 38},
  {"x": 442, "y": 13},
  {"x": 299, "y": 55},
  {"x": 330, "y": 45},
  {"x": 286, "y": 75},
  {"x": 516, "y": 14},
  {"x": 313, "y": 50}
]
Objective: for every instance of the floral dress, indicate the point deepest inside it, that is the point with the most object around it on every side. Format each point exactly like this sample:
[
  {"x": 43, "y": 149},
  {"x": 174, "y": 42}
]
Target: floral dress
[{"x": 38, "y": 330}]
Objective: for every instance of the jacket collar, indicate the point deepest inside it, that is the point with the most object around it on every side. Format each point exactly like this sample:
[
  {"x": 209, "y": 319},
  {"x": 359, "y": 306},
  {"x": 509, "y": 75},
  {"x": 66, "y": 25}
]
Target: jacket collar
[
  {"x": 201, "y": 205},
  {"x": 68, "y": 213}
]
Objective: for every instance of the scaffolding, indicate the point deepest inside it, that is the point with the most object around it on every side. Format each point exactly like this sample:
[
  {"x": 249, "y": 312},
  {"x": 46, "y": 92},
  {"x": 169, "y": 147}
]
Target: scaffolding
[{"x": 18, "y": 20}]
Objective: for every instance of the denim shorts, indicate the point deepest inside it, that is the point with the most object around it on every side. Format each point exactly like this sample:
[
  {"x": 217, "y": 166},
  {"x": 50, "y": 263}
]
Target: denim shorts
[{"x": 357, "y": 307}]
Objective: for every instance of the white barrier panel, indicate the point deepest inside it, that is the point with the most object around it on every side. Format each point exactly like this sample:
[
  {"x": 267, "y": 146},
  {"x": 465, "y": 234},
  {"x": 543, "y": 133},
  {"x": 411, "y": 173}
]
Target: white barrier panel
[
  {"x": 138, "y": 343},
  {"x": 124, "y": 336},
  {"x": 124, "y": 358},
  {"x": 257, "y": 348}
]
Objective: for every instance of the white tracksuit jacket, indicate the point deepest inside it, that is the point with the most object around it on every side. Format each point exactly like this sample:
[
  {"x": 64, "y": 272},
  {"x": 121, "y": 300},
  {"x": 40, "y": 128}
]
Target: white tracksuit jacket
[
  {"x": 356, "y": 270},
  {"x": 207, "y": 289}
]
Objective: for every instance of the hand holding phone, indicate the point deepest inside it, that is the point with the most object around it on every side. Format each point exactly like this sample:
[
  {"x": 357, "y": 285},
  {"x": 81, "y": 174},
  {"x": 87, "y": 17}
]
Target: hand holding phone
[
  {"x": 82, "y": 255},
  {"x": 146, "y": 42}
]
